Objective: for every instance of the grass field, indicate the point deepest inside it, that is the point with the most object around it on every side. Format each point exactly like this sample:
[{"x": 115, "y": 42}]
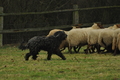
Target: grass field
[{"x": 77, "y": 66}]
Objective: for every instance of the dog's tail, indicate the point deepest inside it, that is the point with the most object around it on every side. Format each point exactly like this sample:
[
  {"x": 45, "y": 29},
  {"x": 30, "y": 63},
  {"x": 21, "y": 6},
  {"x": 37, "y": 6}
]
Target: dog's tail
[{"x": 22, "y": 46}]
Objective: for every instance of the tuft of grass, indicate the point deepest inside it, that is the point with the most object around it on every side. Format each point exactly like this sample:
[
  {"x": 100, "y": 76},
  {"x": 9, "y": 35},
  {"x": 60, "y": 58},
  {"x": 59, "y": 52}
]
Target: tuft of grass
[{"x": 78, "y": 66}]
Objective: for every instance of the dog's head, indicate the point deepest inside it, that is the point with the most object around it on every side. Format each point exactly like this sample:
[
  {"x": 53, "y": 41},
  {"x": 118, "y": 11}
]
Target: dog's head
[{"x": 60, "y": 35}]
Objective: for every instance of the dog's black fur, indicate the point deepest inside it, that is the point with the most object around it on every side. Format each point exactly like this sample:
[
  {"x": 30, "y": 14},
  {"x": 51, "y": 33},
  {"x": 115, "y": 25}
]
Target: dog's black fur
[{"x": 50, "y": 44}]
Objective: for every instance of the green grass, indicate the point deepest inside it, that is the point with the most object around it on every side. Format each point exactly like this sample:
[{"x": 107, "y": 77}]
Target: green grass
[{"x": 76, "y": 67}]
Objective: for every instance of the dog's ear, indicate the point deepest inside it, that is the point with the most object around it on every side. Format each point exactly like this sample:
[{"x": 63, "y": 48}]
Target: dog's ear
[{"x": 58, "y": 33}]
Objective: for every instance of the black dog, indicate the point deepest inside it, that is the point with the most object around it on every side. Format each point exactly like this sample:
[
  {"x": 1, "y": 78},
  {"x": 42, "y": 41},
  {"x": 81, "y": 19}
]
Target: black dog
[{"x": 50, "y": 44}]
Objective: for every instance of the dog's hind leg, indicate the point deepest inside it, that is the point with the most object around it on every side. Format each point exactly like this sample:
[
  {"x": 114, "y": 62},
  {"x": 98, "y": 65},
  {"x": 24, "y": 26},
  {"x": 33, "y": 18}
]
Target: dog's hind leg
[
  {"x": 49, "y": 56},
  {"x": 27, "y": 56}
]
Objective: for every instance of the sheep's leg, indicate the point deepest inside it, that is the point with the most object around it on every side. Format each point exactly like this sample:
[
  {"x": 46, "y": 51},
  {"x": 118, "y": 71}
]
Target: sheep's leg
[
  {"x": 60, "y": 55},
  {"x": 116, "y": 51},
  {"x": 109, "y": 48},
  {"x": 27, "y": 56},
  {"x": 98, "y": 48},
  {"x": 79, "y": 48},
  {"x": 93, "y": 48},
  {"x": 75, "y": 47},
  {"x": 76, "y": 50},
  {"x": 88, "y": 49},
  {"x": 70, "y": 49}
]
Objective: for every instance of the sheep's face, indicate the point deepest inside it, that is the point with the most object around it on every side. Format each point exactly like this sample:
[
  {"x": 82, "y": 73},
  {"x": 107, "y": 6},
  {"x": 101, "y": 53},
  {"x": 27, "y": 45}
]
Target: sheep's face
[
  {"x": 100, "y": 25},
  {"x": 60, "y": 35},
  {"x": 118, "y": 25}
]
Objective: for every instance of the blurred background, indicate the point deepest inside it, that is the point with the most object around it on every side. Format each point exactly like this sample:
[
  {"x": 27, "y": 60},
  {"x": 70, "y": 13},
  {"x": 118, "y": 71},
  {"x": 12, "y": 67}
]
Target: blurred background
[{"x": 104, "y": 15}]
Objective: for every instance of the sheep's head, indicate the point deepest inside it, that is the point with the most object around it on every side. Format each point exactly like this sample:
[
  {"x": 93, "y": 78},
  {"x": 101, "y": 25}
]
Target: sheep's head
[
  {"x": 115, "y": 26},
  {"x": 118, "y": 25},
  {"x": 60, "y": 35},
  {"x": 99, "y": 25}
]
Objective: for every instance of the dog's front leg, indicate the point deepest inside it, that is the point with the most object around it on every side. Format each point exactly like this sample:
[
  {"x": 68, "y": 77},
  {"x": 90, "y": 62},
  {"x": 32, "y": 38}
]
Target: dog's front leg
[{"x": 60, "y": 54}]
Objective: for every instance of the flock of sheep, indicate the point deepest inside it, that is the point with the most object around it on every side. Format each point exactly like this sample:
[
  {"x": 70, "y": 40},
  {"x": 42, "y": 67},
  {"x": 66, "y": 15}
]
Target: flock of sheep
[{"x": 94, "y": 37}]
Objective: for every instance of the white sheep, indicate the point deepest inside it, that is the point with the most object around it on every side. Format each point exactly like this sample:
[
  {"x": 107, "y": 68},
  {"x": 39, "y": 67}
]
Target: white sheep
[
  {"x": 116, "y": 42},
  {"x": 106, "y": 37},
  {"x": 92, "y": 39},
  {"x": 78, "y": 37},
  {"x": 116, "y": 32}
]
